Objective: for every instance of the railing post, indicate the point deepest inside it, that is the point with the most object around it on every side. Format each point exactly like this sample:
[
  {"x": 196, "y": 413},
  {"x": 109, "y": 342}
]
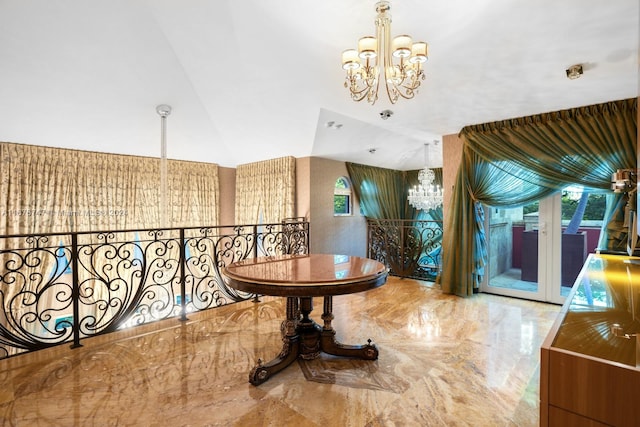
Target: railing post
[
  {"x": 75, "y": 291},
  {"x": 255, "y": 241},
  {"x": 256, "y": 297},
  {"x": 183, "y": 291},
  {"x": 401, "y": 271},
  {"x": 369, "y": 227}
]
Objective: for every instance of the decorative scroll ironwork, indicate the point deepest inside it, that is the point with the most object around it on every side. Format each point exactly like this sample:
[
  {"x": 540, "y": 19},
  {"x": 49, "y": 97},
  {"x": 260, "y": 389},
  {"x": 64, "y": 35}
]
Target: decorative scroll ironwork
[
  {"x": 58, "y": 288},
  {"x": 410, "y": 248}
]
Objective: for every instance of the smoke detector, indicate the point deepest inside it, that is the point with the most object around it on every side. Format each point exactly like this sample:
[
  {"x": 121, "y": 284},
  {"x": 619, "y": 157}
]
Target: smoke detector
[{"x": 385, "y": 114}]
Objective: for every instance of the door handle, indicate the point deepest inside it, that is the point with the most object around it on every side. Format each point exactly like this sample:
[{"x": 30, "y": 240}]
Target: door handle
[{"x": 543, "y": 227}]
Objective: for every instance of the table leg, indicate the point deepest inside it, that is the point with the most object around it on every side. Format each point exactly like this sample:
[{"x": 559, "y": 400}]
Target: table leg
[
  {"x": 290, "y": 347},
  {"x": 303, "y": 337},
  {"x": 309, "y": 331},
  {"x": 329, "y": 344}
]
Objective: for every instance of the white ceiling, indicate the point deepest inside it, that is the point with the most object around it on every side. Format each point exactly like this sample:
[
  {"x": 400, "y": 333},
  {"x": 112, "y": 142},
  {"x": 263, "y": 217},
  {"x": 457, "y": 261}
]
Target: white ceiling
[{"x": 252, "y": 80}]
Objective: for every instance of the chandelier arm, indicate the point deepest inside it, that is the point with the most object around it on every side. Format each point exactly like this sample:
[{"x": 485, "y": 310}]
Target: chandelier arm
[
  {"x": 359, "y": 95},
  {"x": 410, "y": 94},
  {"x": 392, "y": 92},
  {"x": 372, "y": 82},
  {"x": 414, "y": 83},
  {"x": 410, "y": 85},
  {"x": 359, "y": 92}
]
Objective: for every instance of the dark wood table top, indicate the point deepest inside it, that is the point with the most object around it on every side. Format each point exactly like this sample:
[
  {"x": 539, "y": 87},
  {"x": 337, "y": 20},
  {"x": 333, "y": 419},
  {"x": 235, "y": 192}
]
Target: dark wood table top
[{"x": 306, "y": 275}]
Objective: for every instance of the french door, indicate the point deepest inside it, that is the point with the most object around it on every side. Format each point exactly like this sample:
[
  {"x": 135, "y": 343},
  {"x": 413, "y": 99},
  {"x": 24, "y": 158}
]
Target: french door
[{"x": 525, "y": 251}]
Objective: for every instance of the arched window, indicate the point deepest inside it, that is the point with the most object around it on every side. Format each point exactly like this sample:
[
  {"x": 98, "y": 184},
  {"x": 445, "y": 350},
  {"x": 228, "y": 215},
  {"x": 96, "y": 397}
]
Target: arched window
[{"x": 342, "y": 197}]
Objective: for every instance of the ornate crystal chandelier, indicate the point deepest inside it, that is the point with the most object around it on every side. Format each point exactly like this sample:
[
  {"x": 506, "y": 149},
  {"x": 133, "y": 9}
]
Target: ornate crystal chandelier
[
  {"x": 426, "y": 196},
  {"x": 374, "y": 60}
]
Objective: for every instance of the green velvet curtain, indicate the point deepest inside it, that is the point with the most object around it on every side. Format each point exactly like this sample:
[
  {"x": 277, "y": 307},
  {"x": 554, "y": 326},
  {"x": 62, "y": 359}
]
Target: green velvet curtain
[
  {"x": 383, "y": 192},
  {"x": 513, "y": 162}
]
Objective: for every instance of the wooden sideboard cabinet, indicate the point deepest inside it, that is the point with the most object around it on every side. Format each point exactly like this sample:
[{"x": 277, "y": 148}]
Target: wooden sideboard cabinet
[{"x": 590, "y": 361}]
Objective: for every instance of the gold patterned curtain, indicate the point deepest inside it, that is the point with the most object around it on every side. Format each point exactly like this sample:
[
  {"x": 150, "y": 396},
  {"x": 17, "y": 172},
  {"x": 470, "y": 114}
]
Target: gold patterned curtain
[
  {"x": 51, "y": 190},
  {"x": 194, "y": 194},
  {"x": 36, "y": 189},
  {"x": 265, "y": 191},
  {"x": 104, "y": 191}
]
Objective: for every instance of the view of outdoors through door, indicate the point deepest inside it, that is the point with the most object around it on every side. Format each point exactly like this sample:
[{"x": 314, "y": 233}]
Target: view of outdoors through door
[{"x": 536, "y": 251}]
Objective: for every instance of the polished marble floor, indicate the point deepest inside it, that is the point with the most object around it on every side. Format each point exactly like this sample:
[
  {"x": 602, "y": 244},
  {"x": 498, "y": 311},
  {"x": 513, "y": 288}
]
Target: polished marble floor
[
  {"x": 444, "y": 361},
  {"x": 511, "y": 279}
]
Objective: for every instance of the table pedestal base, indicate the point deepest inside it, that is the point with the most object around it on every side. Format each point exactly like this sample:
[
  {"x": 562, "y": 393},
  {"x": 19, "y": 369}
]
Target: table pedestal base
[{"x": 302, "y": 337}]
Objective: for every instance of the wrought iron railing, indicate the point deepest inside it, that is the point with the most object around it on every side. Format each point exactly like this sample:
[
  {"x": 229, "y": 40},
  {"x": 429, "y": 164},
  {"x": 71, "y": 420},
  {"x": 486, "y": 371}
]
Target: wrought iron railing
[
  {"x": 62, "y": 287},
  {"x": 410, "y": 248}
]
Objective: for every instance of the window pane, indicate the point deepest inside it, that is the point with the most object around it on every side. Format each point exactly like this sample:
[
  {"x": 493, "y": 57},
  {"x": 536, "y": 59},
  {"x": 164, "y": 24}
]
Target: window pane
[
  {"x": 341, "y": 183},
  {"x": 340, "y": 204}
]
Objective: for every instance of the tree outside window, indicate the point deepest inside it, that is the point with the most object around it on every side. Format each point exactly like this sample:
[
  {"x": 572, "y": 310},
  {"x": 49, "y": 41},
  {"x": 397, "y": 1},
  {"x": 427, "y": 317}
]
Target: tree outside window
[{"x": 342, "y": 197}]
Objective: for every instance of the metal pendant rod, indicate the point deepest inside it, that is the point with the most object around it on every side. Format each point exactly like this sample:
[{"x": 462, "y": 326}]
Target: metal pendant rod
[{"x": 163, "y": 110}]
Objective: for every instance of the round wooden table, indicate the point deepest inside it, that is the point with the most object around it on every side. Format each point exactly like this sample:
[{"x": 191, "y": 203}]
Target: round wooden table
[{"x": 299, "y": 278}]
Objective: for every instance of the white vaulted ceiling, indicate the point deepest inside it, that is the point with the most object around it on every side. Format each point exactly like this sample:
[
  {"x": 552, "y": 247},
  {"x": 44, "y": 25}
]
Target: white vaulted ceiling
[{"x": 251, "y": 80}]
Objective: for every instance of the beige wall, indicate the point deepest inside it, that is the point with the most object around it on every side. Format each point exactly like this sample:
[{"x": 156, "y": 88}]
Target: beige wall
[
  {"x": 303, "y": 187},
  {"x": 451, "y": 156},
  {"x": 328, "y": 233},
  {"x": 227, "y": 178}
]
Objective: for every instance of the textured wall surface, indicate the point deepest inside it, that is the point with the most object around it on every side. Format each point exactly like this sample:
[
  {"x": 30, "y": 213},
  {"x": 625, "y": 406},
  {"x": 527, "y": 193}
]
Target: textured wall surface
[
  {"x": 451, "y": 156},
  {"x": 328, "y": 233}
]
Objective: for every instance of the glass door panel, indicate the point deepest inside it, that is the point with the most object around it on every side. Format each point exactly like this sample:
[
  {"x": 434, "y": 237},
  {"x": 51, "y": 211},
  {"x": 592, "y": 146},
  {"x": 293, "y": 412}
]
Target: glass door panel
[
  {"x": 582, "y": 215},
  {"x": 512, "y": 242},
  {"x": 537, "y": 251}
]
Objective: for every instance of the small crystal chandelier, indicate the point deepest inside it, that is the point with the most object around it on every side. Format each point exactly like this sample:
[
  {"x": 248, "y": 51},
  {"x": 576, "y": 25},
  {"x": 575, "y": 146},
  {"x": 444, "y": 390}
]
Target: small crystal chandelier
[
  {"x": 426, "y": 196},
  {"x": 374, "y": 60}
]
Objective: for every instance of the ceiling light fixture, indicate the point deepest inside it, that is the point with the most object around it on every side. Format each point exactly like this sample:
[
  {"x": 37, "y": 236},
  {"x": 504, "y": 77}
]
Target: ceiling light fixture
[
  {"x": 374, "y": 60},
  {"x": 426, "y": 196},
  {"x": 574, "y": 71}
]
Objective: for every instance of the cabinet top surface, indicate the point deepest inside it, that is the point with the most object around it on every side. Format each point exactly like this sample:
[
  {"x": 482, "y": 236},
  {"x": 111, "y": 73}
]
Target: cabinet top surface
[{"x": 602, "y": 312}]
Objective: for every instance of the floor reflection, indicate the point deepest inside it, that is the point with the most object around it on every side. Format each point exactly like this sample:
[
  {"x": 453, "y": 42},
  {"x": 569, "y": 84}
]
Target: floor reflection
[{"x": 443, "y": 361}]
